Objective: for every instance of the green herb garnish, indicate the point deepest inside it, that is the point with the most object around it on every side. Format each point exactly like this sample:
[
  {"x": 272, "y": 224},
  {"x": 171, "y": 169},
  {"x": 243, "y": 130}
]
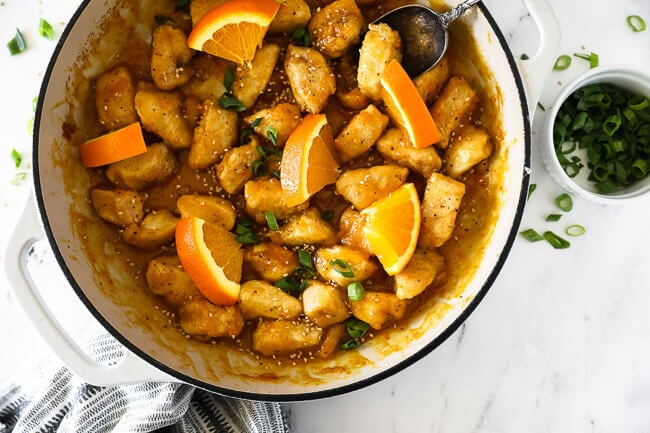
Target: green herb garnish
[
  {"x": 342, "y": 267},
  {"x": 592, "y": 58},
  {"x": 301, "y": 36},
  {"x": 556, "y": 241},
  {"x": 245, "y": 233},
  {"x": 562, "y": 63},
  {"x": 575, "y": 230},
  {"x": 553, "y": 217},
  {"x": 356, "y": 330},
  {"x": 228, "y": 100},
  {"x": 45, "y": 29},
  {"x": 17, "y": 44},
  {"x": 356, "y": 291},
  {"x": 531, "y": 235},
  {"x": 271, "y": 221},
  {"x": 564, "y": 202},
  {"x": 17, "y": 157},
  {"x": 636, "y": 23}
]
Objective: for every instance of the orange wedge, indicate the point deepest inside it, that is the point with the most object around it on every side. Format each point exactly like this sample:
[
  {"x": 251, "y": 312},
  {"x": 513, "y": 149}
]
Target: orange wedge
[
  {"x": 234, "y": 30},
  {"x": 211, "y": 257},
  {"x": 114, "y": 146},
  {"x": 406, "y": 107},
  {"x": 393, "y": 226},
  {"x": 308, "y": 162}
]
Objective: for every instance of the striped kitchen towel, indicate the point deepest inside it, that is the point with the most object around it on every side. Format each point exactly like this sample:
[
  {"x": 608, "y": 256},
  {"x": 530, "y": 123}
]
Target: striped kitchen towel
[{"x": 58, "y": 401}]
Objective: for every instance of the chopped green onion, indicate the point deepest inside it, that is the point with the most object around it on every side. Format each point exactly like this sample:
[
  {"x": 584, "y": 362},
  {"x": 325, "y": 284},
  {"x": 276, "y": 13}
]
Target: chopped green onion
[
  {"x": 247, "y": 239},
  {"x": 564, "y": 202},
  {"x": 532, "y": 187},
  {"x": 553, "y": 217},
  {"x": 305, "y": 259},
  {"x": 531, "y": 235},
  {"x": 524, "y": 56},
  {"x": 301, "y": 36},
  {"x": 356, "y": 291},
  {"x": 45, "y": 29},
  {"x": 541, "y": 107},
  {"x": 342, "y": 267},
  {"x": 562, "y": 63},
  {"x": 276, "y": 174},
  {"x": 30, "y": 126},
  {"x": 17, "y": 44},
  {"x": 272, "y": 134},
  {"x": 244, "y": 230},
  {"x": 575, "y": 230},
  {"x": 228, "y": 79},
  {"x": 230, "y": 103},
  {"x": 259, "y": 168},
  {"x": 248, "y": 131},
  {"x": 327, "y": 214},
  {"x": 17, "y": 157},
  {"x": 34, "y": 103},
  {"x": 271, "y": 221},
  {"x": 636, "y": 23},
  {"x": 556, "y": 241},
  {"x": 268, "y": 152},
  {"x": 592, "y": 58},
  {"x": 611, "y": 126},
  {"x": 350, "y": 344},
  {"x": 291, "y": 285},
  {"x": 19, "y": 178},
  {"x": 356, "y": 328}
]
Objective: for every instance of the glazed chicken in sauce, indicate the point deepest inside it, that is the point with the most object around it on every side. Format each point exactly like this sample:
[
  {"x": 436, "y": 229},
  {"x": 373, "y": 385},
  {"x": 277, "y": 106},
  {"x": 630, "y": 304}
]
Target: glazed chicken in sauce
[{"x": 309, "y": 279}]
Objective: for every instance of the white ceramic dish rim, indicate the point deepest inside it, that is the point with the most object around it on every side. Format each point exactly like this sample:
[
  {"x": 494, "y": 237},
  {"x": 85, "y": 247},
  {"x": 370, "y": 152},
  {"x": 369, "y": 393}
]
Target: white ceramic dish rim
[{"x": 623, "y": 75}]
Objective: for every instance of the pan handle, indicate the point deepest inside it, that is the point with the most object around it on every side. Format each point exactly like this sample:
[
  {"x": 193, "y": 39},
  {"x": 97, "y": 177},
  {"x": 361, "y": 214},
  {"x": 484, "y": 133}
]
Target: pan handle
[
  {"x": 537, "y": 68},
  {"x": 26, "y": 244}
]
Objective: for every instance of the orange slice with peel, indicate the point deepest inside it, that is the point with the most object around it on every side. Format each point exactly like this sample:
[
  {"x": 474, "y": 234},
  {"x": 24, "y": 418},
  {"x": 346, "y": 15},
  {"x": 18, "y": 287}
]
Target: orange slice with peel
[
  {"x": 234, "y": 30},
  {"x": 308, "y": 162},
  {"x": 392, "y": 227},
  {"x": 406, "y": 107},
  {"x": 114, "y": 146},
  {"x": 212, "y": 258}
]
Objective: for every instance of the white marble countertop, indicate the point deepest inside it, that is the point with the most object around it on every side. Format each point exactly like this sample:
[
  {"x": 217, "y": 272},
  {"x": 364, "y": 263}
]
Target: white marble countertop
[{"x": 559, "y": 344}]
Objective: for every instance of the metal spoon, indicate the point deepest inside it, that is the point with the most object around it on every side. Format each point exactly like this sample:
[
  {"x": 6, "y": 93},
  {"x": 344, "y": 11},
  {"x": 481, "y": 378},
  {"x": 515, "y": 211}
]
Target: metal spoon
[{"x": 423, "y": 32}]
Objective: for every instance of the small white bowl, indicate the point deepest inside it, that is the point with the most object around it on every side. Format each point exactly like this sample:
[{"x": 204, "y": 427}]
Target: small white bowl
[{"x": 622, "y": 76}]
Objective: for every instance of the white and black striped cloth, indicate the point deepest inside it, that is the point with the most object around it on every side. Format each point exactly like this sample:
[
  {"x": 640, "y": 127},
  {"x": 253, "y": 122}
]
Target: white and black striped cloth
[{"x": 60, "y": 402}]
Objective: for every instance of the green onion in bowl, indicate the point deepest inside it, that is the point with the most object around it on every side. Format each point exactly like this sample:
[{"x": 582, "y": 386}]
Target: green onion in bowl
[{"x": 597, "y": 135}]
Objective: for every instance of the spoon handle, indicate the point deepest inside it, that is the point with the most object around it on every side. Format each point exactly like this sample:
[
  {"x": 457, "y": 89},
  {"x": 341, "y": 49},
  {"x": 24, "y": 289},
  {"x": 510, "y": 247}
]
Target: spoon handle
[{"x": 454, "y": 13}]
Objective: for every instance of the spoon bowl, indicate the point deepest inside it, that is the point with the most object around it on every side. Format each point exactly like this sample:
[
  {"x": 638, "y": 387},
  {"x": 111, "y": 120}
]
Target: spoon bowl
[{"x": 423, "y": 32}]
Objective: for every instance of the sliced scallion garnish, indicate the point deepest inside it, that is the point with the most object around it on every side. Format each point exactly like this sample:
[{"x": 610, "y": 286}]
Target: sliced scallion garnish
[
  {"x": 532, "y": 187},
  {"x": 342, "y": 267},
  {"x": 636, "y": 23},
  {"x": 564, "y": 202},
  {"x": 17, "y": 44},
  {"x": 259, "y": 168},
  {"x": 271, "y": 221},
  {"x": 356, "y": 291},
  {"x": 272, "y": 134},
  {"x": 562, "y": 63},
  {"x": 575, "y": 230},
  {"x": 556, "y": 241},
  {"x": 553, "y": 217},
  {"x": 17, "y": 157},
  {"x": 45, "y": 29},
  {"x": 301, "y": 36},
  {"x": 592, "y": 58},
  {"x": 531, "y": 235}
]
